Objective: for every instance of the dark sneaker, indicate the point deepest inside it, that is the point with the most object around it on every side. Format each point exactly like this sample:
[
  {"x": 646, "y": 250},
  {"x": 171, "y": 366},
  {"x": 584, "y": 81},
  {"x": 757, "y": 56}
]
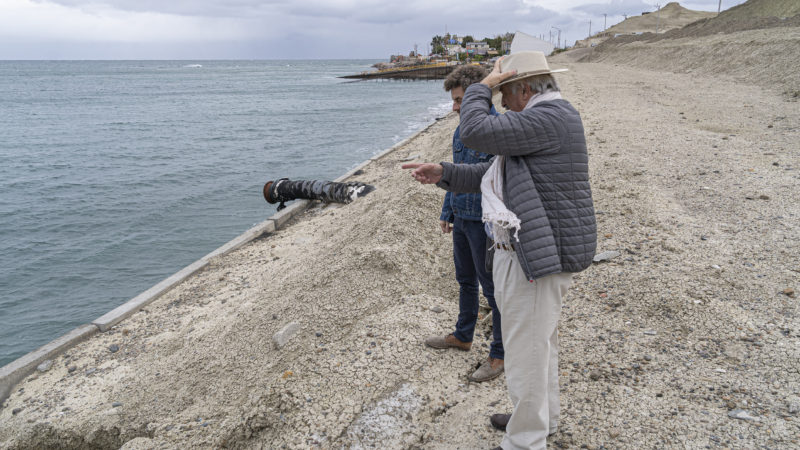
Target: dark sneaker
[{"x": 500, "y": 421}]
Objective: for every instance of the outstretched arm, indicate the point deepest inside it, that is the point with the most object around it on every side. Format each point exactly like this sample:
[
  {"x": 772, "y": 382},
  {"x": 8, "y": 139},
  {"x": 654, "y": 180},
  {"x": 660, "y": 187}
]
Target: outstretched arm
[
  {"x": 450, "y": 177},
  {"x": 425, "y": 173}
]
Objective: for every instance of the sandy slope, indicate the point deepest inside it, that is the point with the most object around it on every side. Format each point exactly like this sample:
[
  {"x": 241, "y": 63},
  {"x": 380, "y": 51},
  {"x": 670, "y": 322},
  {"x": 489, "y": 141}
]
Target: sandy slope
[
  {"x": 669, "y": 17},
  {"x": 764, "y": 57},
  {"x": 742, "y": 43},
  {"x": 695, "y": 182}
]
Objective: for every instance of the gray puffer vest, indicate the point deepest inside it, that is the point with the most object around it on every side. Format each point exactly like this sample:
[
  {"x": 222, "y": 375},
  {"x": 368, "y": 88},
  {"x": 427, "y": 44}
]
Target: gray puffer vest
[{"x": 545, "y": 181}]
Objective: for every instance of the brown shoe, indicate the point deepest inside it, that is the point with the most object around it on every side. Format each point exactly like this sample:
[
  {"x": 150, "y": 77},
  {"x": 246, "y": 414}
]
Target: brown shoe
[
  {"x": 500, "y": 421},
  {"x": 490, "y": 369},
  {"x": 448, "y": 341}
]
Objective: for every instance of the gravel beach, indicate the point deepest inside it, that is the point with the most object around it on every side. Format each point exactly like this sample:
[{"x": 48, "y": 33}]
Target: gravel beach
[{"x": 686, "y": 336}]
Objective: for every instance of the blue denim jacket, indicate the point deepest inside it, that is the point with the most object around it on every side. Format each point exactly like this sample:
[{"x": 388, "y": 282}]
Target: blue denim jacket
[{"x": 463, "y": 206}]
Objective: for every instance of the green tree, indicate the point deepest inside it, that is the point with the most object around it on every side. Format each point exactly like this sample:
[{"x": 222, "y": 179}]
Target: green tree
[
  {"x": 494, "y": 42},
  {"x": 467, "y": 39},
  {"x": 437, "y": 45},
  {"x": 497, "y": 41}
]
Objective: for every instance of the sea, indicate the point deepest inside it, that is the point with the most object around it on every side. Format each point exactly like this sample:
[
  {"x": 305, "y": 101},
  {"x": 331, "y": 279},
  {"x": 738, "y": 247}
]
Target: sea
[{"x": 116, "y": 174}]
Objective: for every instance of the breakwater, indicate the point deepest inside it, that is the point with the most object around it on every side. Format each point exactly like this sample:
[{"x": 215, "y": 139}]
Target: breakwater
[{"x": 427, "y": 72}]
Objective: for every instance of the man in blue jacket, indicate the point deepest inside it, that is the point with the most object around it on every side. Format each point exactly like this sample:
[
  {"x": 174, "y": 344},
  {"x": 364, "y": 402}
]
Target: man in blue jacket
[
  {"x": 461, "y": 215},
  {"x": 537, "y": 201}
]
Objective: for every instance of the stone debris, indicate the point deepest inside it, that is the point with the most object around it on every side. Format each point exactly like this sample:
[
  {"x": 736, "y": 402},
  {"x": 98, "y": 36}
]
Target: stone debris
[
  {"x": 742, "y": 415},
  {"x": 282, "y": 337},
  {"x": 606, "y": 256},
  {"x": 45, "y": 365},
  {"x": 385, "y": 425},
  {"x": 411, "y": 157}
]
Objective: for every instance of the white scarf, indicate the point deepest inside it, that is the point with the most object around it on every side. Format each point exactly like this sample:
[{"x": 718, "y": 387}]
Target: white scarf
[{"x": 499, "y": 219}]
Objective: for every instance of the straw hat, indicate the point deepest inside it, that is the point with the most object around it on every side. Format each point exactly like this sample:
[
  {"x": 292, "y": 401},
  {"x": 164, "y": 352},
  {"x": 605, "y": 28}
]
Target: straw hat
[{"x": 528, "y": 64}]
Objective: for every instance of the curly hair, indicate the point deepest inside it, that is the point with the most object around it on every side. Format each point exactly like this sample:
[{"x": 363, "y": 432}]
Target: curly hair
[{"x": 463, "y": 76}]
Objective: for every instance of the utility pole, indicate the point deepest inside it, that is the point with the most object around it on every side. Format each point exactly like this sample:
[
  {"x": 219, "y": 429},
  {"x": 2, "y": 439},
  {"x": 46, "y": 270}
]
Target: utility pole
[
  {"x": 719, "y": 7},
  {"x": 590, "y": 27},
  {"x": 559, "y": 36},
  {"x": 658, "y": 16},
  {"x": 604, "y": 20}
]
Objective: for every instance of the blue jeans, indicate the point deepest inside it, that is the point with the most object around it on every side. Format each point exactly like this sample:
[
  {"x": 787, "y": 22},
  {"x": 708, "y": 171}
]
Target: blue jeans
[{"x": 469, "y": 253}]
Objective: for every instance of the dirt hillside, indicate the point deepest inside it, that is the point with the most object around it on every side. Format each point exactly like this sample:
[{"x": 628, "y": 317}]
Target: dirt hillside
[
  {"x": 762, "y": 8},
  {"x": 669, "y": 17},
  {"x": 739, "y": 44}
]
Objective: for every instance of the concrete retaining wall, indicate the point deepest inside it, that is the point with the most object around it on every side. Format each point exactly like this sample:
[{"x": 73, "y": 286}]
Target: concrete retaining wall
[
  {"x": 13, "y": 373},
  {"x": 16, "y": 371}
]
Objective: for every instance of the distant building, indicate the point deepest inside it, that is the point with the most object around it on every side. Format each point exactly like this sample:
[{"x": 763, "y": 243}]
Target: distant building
[
  {"x": 477, "y": 46},
  {"x": 454, "y": 49}
]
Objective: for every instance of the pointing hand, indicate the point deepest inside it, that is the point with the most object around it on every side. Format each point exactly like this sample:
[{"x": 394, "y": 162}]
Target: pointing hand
[{"x": 425, "y": 173}]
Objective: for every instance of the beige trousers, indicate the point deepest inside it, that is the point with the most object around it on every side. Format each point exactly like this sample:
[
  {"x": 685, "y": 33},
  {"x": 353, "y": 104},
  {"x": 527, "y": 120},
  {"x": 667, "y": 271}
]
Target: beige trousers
[{"x": 529, "y": 314}]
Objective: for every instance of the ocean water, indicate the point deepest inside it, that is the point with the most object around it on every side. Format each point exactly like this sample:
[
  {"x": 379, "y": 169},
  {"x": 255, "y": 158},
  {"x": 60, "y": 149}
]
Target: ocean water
[{"x": 116, "y": 174}]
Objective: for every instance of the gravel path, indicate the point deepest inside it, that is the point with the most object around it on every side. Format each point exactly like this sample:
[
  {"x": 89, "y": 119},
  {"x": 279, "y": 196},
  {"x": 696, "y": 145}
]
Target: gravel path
[{"x": 689, "y": 338}]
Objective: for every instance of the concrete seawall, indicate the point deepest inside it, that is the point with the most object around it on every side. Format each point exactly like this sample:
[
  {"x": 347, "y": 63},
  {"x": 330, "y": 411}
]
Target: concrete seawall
[{"x": 17, "y": 370}]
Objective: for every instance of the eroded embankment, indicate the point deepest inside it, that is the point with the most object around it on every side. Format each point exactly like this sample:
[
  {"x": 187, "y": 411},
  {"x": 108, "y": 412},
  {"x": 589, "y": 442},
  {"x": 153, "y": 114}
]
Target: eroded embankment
[{"x": 762, "y": 57}]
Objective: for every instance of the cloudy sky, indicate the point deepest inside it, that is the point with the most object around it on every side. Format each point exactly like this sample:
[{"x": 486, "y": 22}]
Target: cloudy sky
[{"x": 278, "y": 29}]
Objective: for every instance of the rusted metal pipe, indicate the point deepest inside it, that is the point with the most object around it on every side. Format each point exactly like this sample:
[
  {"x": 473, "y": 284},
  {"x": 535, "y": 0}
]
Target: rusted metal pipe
[{"x": 284, "y": 190}]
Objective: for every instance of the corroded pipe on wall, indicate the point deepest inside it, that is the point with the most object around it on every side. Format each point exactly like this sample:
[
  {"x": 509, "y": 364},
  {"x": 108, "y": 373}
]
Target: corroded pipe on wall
[{"x": 284, "y": 190}]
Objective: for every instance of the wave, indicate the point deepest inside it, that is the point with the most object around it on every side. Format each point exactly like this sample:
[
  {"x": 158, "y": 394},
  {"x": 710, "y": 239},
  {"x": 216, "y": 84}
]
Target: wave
[{"x": 421, "y": 121}]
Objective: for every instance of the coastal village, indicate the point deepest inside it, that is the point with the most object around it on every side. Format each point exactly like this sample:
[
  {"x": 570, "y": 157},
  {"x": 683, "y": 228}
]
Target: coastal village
[
  {"x": 449, "y": 50},
  {"x": 306, "y": 332}
]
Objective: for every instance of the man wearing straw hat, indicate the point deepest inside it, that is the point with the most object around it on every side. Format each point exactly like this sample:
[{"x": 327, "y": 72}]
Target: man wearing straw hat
[{"x": 537, "y": 206}]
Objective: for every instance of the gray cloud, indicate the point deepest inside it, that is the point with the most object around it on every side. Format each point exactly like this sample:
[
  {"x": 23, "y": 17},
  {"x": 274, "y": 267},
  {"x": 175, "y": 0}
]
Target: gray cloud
[
  {"x": 616, "y": 8},
  {"x": 203, "y": 8},
  {"x": 284, "y": 28}
]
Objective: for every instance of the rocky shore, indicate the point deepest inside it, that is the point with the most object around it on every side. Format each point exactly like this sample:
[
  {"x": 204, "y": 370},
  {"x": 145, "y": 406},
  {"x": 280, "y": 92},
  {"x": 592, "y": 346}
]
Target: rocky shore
[{"x": 687, "y": 336}]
